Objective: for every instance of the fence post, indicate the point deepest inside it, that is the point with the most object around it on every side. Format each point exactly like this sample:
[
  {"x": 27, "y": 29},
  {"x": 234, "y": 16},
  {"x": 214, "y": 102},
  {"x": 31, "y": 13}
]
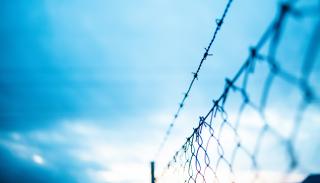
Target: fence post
[{"x": 152, "y": 172}]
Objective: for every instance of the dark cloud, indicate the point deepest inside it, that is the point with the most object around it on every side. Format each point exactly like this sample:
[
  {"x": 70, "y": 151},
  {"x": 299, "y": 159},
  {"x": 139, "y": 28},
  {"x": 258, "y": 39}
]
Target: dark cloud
[
  {"x": 14, "y": 170},
  {"x": 33, "y": 90},
  {"x": 53, "y": 68}
]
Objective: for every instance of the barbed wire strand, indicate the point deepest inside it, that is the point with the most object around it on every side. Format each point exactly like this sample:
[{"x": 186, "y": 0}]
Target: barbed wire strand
[{"x": 219, "y": 23}]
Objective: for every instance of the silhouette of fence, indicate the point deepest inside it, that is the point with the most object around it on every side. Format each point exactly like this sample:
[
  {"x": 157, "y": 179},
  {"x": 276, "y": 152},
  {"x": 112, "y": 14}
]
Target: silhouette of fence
[{"x": 234, "y": 135}]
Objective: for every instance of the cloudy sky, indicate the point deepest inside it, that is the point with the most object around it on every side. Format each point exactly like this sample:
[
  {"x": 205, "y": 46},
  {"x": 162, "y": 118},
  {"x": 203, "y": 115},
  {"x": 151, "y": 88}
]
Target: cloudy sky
[{"x": 88, "y": 88}]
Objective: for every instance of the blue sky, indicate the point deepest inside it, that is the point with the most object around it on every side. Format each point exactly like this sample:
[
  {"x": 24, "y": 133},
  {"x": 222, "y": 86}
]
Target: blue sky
[{"x": 89, "y": 87}]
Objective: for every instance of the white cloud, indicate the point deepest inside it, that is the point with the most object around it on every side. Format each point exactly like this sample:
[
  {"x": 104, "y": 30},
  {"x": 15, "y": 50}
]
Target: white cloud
[{"x": 38, "y": 159}]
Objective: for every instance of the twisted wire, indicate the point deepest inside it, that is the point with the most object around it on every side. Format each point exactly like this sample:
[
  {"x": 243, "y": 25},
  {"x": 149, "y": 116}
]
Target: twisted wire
[{"x": 219, "y": 23}]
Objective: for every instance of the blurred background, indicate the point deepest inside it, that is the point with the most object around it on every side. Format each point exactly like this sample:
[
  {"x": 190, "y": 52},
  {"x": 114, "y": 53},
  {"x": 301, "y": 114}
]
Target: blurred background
[{"x": 88, "y": 88}]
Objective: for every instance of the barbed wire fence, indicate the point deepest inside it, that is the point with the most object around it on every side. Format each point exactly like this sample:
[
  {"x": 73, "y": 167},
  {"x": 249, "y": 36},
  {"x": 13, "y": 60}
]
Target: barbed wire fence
[{"x": 226, "y": 139}]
